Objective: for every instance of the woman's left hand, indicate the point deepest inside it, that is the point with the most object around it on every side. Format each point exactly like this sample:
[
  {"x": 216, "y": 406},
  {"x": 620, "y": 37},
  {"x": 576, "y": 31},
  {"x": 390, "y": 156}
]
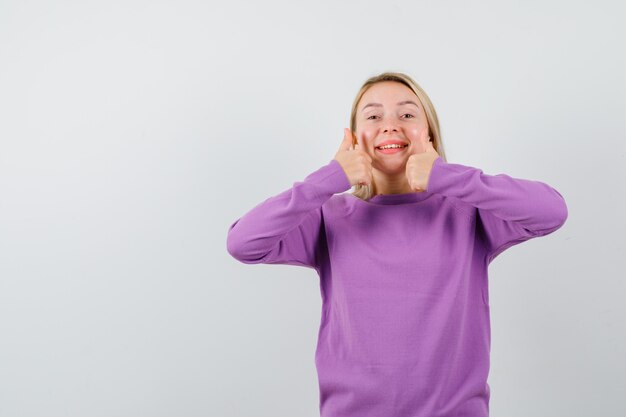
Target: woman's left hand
[{"x": 420, "y": 162}]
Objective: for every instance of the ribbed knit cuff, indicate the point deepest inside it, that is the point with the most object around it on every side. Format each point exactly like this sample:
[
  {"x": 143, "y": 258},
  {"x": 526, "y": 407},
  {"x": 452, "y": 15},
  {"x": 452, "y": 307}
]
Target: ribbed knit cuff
[{"x": 329, "y": 179}]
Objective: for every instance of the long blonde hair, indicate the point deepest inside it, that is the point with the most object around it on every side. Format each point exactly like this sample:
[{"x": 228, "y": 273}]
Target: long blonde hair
[{"x": 365, "y": 192}]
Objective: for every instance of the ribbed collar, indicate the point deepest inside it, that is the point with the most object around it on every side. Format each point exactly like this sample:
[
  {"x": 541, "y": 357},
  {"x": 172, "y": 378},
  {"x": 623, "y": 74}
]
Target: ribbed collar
[{"x": 406, "y": 198}]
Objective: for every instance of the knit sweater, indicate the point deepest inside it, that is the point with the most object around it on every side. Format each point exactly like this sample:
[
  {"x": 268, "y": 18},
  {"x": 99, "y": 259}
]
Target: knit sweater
[{"x": 405, "y": 326}]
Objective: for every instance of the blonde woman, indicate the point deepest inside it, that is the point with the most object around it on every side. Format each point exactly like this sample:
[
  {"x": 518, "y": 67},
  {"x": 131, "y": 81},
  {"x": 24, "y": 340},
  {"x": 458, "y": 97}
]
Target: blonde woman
[{"x": 402, "y": 260}]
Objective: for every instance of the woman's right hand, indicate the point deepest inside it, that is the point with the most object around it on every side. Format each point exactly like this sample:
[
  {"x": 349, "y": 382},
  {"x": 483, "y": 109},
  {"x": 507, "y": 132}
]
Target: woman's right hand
[{"x": 356, "y": 163}]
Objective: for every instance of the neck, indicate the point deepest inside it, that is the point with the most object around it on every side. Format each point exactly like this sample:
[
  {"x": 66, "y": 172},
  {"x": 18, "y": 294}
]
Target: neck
[{"x": 391, "y": 184}]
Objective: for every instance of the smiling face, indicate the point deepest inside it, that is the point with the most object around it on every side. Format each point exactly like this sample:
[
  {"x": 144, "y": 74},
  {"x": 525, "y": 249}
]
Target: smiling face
[{"x": 389, "y": 112}]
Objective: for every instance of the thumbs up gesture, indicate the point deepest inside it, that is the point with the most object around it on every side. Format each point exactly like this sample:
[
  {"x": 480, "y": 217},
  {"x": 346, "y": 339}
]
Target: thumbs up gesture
[
  {"x": 356, "y": 163},
  {"x": 420, "y": 162}
]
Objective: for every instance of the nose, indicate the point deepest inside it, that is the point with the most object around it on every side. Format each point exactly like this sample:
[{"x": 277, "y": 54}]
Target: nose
[{"x": 390, "y": 126}]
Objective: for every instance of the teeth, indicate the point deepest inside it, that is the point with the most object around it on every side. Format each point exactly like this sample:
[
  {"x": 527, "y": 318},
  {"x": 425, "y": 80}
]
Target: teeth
[{"x": 391, "y": 146}]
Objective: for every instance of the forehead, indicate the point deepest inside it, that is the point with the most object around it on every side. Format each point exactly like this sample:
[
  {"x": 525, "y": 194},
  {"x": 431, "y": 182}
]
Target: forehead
[
  {"x": 388, "y": 94},
  {"x": 389, "y": 88}
]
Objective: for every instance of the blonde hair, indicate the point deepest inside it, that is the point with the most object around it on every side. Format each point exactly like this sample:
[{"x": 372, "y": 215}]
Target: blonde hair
[{"x": 365, "y": 192}]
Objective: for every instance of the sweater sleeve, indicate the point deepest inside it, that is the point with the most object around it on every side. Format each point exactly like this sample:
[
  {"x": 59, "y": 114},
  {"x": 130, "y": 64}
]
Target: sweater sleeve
[
  {"x": 285, "y": 228},
  {"x": 509, "y": 210}
]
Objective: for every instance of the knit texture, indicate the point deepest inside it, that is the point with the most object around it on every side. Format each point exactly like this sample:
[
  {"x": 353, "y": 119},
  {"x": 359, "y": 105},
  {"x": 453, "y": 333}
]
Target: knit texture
[{"x": 405, "y": 328}]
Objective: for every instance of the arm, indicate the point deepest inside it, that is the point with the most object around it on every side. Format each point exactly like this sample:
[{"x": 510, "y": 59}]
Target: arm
[
  {"x": 284, "y": 229},
  {"x": 510, "y": 210}
]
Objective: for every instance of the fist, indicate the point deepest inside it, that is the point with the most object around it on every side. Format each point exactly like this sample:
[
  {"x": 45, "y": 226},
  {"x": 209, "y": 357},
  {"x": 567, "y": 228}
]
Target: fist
[
  {"x": 420, "y": 162},
  {"x": 356, "y": 163}
]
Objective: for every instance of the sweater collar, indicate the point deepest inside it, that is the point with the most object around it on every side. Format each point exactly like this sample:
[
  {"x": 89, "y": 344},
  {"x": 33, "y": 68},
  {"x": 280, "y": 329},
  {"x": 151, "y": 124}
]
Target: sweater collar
[{"x": 405, "y": 198}]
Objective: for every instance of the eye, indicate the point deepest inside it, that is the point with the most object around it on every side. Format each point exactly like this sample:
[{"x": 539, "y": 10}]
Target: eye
[
  {"x": 371, "y": 117},
  {"x": 409, "y": 114}
]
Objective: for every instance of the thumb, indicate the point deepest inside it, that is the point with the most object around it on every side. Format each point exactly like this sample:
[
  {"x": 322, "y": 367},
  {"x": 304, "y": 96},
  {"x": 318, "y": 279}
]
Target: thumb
[
  {"x": 425, "y": 138},
  {"x": 347, "y": 140}
]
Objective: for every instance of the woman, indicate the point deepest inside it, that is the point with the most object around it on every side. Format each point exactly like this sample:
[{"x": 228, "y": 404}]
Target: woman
[{"x": 402, "y": 261}]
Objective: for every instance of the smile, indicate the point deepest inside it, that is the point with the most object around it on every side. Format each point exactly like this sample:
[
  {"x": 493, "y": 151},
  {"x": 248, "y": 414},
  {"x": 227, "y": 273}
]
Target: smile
[{"x": 392, "y": 149}]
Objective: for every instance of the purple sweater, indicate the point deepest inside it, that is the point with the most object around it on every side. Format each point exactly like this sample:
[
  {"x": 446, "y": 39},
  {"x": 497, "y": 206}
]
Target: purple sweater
[{"x": 405, "y": 328}]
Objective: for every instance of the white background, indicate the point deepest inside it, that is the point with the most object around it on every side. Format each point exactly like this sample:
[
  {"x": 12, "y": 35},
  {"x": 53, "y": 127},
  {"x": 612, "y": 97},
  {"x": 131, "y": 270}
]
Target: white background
[{"x": 133, "y": 133}]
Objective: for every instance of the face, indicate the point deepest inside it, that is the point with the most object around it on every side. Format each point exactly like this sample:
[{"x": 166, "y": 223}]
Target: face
[{"x": 390, "y": 111}]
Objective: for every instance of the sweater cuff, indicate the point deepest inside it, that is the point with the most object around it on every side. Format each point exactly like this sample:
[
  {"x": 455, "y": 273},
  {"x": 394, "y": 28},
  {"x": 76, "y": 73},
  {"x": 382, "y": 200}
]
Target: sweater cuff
[{"x": 330, "y": 179}]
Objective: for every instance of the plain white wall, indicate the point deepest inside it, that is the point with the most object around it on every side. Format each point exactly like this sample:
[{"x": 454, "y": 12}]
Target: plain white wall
[{"x": 133, "y": 133}]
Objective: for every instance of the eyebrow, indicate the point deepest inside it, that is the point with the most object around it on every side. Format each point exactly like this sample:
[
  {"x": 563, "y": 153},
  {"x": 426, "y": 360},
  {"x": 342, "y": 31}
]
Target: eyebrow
[{"x": 399, "y": 104}]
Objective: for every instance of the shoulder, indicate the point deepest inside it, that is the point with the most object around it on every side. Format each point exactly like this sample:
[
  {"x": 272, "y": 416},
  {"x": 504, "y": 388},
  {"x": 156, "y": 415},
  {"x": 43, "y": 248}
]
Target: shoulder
[
  {"x": 460, "y": 206},
  {"x": 340, "y": 205}
]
